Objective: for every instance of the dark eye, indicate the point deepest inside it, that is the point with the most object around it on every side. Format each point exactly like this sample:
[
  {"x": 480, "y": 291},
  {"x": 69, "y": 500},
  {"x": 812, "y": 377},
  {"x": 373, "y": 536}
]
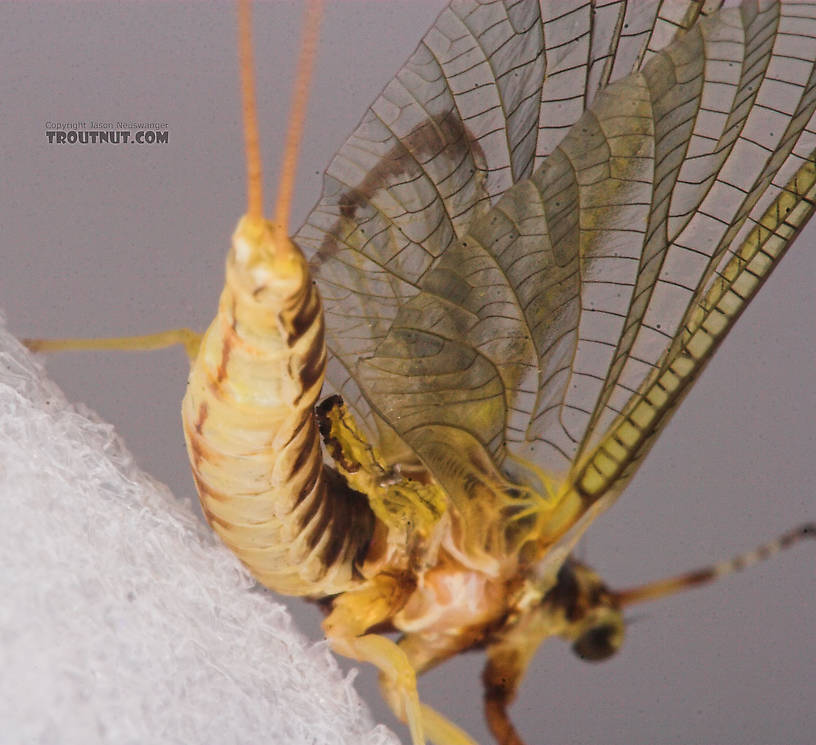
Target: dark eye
[{"x": 598, "y": 643}]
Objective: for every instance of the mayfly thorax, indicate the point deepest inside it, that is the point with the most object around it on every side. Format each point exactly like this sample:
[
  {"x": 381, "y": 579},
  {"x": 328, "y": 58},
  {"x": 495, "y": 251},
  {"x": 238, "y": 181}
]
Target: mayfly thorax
[{"x": 414, "y": 408}]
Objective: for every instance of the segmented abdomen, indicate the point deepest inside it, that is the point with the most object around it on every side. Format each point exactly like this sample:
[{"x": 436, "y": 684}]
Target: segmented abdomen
[{"x": 251, "y": 432}]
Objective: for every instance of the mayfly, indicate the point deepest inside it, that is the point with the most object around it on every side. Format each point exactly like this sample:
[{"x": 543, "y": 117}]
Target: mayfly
[{"x": 514, "y": 303}]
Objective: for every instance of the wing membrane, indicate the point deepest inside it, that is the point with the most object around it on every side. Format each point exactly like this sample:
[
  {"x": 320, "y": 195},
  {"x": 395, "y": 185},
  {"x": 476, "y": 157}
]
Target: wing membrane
[{"x": 526, "y": 244}]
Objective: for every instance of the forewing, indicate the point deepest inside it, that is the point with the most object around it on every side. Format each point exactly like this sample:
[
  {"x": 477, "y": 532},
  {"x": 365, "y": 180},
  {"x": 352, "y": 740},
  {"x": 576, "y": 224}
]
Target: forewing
[
  {"x": 632, "y": 221},
  {"x": 489, "y": 91}
]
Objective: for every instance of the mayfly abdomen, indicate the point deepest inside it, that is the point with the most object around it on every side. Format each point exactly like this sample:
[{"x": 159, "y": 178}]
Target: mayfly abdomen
[{"x": 251, "y": 431}]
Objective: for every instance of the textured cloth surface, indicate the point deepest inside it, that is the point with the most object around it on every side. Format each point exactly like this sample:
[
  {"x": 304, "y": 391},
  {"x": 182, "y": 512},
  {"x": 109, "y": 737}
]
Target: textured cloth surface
[{"x": 122, "y": 619}]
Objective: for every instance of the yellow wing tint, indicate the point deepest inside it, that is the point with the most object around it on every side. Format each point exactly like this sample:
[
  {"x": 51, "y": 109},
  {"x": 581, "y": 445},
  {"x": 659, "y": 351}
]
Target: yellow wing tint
[
  {"x": 486, "y": 97},
  {"x": 527, "y": 251},
  {"x": 708, "y": 322}
]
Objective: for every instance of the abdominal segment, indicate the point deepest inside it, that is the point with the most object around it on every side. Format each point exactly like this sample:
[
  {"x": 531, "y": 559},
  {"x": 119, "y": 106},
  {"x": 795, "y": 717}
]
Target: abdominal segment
[{"x": 251, "y": 431}]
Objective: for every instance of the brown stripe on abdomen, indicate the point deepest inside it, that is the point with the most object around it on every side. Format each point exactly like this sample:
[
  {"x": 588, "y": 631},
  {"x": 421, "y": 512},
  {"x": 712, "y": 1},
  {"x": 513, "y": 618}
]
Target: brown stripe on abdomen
[
  {"x": 347, "y": 517},
  {"x": 307, "y": 312}
]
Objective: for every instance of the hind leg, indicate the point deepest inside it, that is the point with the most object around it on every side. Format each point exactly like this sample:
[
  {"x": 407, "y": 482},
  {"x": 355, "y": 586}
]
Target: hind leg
[
  {"x": 397, "y": 677},
  {"x": 356, "y": 611},
  {"x": 421, "y": 656},
  {"x": 399, "y": 689},
  {"x": 437, "y": 728}
]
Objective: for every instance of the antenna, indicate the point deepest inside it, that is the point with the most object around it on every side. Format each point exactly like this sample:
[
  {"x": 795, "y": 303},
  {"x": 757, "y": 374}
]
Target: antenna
[{"x": 670, "y": 586}]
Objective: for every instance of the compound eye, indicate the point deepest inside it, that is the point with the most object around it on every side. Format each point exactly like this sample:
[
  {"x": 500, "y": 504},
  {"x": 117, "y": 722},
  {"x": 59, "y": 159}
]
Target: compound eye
[{"x": 598, "y": 643}]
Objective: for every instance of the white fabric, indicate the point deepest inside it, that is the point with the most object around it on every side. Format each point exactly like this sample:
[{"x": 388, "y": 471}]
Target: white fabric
[{"x": 122, "y": 620}]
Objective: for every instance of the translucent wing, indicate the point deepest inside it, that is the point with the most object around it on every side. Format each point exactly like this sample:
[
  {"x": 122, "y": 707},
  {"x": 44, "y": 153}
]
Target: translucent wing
[{"x": 527, "y": 247}]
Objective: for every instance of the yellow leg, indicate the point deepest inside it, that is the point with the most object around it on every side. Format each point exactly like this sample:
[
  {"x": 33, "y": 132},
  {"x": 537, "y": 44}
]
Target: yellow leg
[
  {"x": 441, "y": 730},
  {"x": 423, "y": 656},
  {"x": 358, "y": 610},
  {"x": 186, "y": 337},
  {"x": 396, "y": 670},
  {"x": 438, "y": 728}
]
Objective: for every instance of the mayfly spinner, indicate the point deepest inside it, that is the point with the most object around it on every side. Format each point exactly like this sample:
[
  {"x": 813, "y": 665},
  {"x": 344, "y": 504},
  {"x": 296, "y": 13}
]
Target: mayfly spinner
[{"x": 523, "y": 258}]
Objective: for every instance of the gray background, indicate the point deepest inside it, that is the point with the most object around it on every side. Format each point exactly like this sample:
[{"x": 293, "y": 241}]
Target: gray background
[{"x": 122, "y": 240}]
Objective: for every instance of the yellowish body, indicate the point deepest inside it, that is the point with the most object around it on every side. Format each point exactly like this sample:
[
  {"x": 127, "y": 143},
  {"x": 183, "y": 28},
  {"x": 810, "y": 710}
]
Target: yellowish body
[
  {"x": 514, "y": 326},
  {"x": 389, "y": 546},
  {"x": 393, "y": 550},
  {"x": 556, "y": 323}
]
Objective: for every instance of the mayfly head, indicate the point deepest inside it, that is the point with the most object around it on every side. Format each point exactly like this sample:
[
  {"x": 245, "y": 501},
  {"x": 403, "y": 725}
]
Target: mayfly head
[
  {"x": 591, "y": 613},
  {"x": 581, "y": 609}
]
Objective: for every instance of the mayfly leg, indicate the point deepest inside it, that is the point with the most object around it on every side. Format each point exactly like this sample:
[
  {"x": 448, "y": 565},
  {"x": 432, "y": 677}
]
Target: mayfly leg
[{"x": 187, "y": 338}]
